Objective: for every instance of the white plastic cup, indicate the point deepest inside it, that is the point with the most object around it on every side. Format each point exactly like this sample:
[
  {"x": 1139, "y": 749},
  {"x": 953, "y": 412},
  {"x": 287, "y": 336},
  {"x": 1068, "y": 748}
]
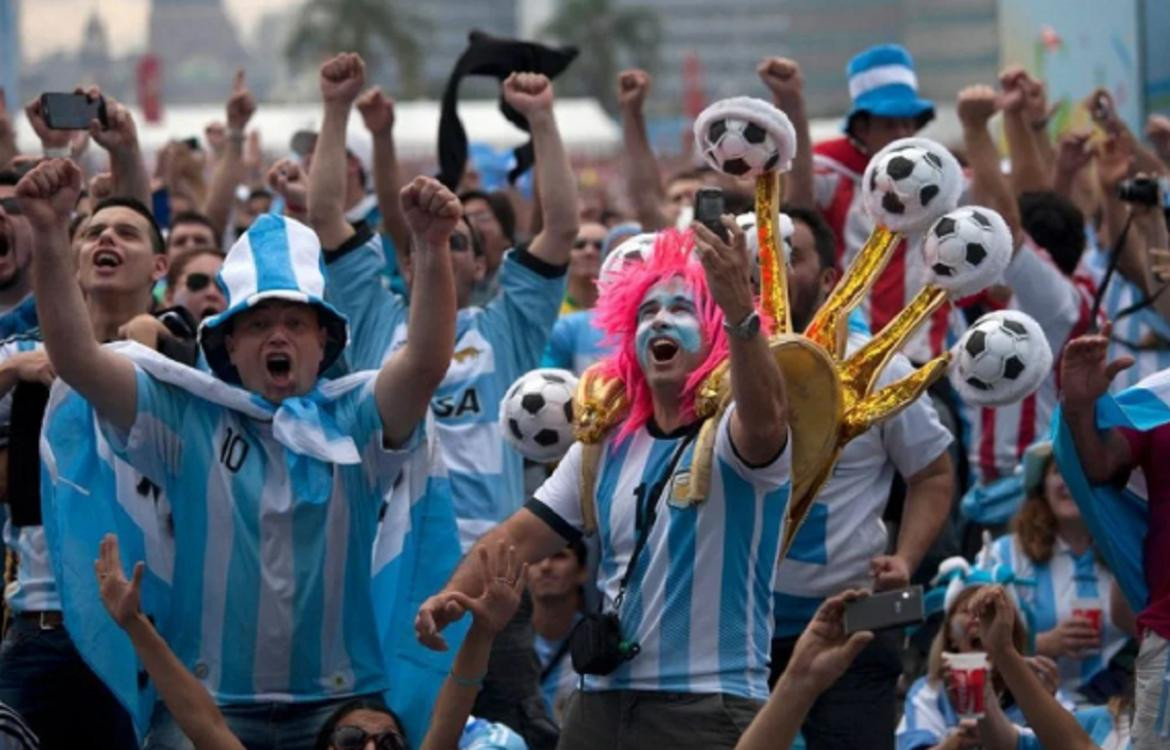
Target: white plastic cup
[{"x": 966, "y": 678}]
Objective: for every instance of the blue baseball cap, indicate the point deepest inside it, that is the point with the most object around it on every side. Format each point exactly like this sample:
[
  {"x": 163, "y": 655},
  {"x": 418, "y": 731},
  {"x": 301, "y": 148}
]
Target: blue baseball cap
[{"x": 882, "y": 83}]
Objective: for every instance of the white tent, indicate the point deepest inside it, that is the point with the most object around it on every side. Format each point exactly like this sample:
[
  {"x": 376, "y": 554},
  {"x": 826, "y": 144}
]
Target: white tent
[{"x": 586, "y": 129}]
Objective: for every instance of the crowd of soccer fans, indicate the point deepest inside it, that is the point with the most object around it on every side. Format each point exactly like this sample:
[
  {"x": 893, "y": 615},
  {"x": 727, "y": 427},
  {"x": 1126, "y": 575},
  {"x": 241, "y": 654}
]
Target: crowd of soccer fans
[{"x": 257, "y": 495}]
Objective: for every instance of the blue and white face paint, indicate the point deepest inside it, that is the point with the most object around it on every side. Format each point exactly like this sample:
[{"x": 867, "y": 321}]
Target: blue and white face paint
[{"x": 668, "y": 323}]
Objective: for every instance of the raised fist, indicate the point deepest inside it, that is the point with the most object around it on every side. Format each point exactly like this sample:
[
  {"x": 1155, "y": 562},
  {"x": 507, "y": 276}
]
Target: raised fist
[
  {"x": 377, "y": 111},
  {"x": 120, "y": 132},
  {"x": 287, "y": 179},
  {"x": 976, "y": 106},
  {"x": 342, "y": 77},
  {"x": 528, "y": 93},
  {"x": 1074, "y": 152},
  {"x": 781, "y": 76},
  {"x": 101, "y": 186},
  {"x": 241, "y": 104},
  {"x": 432, "y": 211},
  {"x": 48, "y": 194},
  {"x": 633, "y": 86},
  {"x": 1158, "y": 131}
]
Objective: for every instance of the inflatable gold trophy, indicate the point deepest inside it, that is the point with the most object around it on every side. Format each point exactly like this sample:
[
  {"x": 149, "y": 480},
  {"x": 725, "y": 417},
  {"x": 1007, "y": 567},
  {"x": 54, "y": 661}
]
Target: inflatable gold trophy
[{"x": 910, "y": 185}]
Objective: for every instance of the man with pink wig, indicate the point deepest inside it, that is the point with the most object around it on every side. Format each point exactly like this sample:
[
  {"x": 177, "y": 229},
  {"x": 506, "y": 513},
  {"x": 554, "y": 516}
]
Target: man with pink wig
[{"x": 678, "y": 652}]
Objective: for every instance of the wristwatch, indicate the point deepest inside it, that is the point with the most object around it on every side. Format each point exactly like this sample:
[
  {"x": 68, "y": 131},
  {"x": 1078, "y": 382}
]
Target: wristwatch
[{"x": 746, "y": 329}]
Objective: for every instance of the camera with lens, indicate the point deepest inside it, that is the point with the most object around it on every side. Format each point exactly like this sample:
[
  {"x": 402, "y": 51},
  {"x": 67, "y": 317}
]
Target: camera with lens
[{"x": 1145, "y": 191}]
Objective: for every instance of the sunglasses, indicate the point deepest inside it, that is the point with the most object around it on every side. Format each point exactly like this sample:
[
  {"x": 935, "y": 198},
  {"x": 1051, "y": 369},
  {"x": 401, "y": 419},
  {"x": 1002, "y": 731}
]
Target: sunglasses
[
  {"x": 460, "y": 242},
  {"x": 11, "y": 206},
  {"x": 582, "y": 243},
  {"x": 355, "y": 738},
  {"x": 197, "y": 281}
]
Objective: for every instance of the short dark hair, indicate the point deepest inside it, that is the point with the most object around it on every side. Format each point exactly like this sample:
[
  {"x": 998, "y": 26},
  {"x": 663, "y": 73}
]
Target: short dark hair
[
  {"x": 158, "y": 244},
  {"x": 577, "y": 547},
  {"x": 476, "y": 240},
  {"x": 1055, "y": 224},
  {"x": 325, "y": 735},
  {"x": 500, "y": 207},
  {"x": 192, "y": 217},
  {"x": 824, "y": 240}
]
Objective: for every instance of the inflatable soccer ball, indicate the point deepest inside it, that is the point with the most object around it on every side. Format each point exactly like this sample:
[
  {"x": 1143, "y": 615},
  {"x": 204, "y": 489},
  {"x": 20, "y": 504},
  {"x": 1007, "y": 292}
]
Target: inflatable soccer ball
[
  {"x": 967, "y": 250},
  {"x": 635, "y": 249},
  {"x": 1003, "y": 357},
  {"x": 745, "y": 137},
  {"x": 910, "y": 183},
  {"x": 536, "y": 414}
]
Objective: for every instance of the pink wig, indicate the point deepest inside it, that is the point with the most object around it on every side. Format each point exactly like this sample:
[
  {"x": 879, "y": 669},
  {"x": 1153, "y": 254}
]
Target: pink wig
[{"x": 616, "y": 314}]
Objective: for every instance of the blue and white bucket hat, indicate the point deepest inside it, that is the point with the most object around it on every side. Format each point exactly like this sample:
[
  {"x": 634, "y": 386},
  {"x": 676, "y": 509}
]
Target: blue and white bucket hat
[
  {"x": 882, "y": 82},
  {"x": 277, "y": 258}
]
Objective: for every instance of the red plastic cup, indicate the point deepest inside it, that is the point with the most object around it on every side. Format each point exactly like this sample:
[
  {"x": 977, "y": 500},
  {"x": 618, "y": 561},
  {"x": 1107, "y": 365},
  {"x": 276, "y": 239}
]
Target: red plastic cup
[
  {"x": 966, "y": 680},
  {"x": 1091, "y": 610}
]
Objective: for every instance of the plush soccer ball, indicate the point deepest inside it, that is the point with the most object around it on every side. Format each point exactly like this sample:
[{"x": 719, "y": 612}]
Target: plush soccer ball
[
  {"x": 967, "y": 250},
  {"x": 635, "y": 249},
  {"x": 745, "y": 137},
  {"x": 910, "y": 183},
  {"x": 536, "y": 414},
  {"x": 1003, "y": 357}
]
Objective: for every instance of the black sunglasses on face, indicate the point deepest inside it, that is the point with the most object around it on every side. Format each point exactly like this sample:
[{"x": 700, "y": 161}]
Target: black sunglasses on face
[
  {"x": 197, "y": 281},
  {"x": 582, "y": 243},
  {"x": 355, "y": 738},
  {"x": 460, "y": 242}
]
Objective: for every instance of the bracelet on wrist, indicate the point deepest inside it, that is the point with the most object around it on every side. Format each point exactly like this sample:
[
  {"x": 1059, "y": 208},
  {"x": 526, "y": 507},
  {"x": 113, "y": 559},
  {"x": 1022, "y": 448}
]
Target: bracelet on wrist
[
  {"x": 476, "y": 683},
  {"x": 60, "y": 152}
]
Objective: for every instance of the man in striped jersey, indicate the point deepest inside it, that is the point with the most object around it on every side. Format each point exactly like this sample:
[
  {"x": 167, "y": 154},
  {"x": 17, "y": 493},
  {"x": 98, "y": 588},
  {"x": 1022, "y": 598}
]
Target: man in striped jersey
[
  {"x": 276, "y": 486},
  {"x": 827, "y": 176},
  {"x": 695, "y": 608}
]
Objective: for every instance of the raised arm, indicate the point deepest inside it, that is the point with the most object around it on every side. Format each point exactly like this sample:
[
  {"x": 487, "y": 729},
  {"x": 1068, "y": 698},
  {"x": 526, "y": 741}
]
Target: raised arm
[
  {"x": 782, "y": 77},
  {"x": 287, "y": 179},
  {"x": 1073, "y": 154},
  {"x": 120, "y": 140},
  {"x": 759, "y": 426},
  {"x": 411, "y": 375},
  {"x": 821, "y": 655},
  {"x": 531, "y": 94},
  {"x": 643, "y": 181},
  {"x": 1158, "y": 133},
  {"x": 342, "y": 77},
  {"x": 107, "y": 380},
  {"x": 1054, "y": 726},
  {"x": 377, "y": 112},
  {"x": 229, "y": 166},
  {"x": 928, "y": 506},
  {"x": 54, "y": 143},
  {"x": 1029, "y": 171},
  {"x": 502, "y": 574},
  {"x": 185, "y": 697},
  {"x": 1085, "y": 377},
  {"x": 976, "y": 106},
  {"x": 1104, "y": 113}
]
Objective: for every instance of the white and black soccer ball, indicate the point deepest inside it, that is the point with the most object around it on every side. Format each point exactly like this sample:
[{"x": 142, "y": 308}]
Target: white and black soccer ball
[
  {"x": 745, "y": 137},
  {"x": 636, "y": 249},
  {"x": 967, "y": 250},
  {"x": 910, "y": 183},
  {"x": 536, "y": 414},
  {"x": 1003, "y": 357}
]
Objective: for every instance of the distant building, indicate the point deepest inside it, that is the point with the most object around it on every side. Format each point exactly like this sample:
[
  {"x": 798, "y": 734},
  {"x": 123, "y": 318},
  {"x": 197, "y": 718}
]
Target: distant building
[
  {"x": 94, "y": 56},
  {"x": 448, "y": 23},
  {"x": 197, "y": 44}
]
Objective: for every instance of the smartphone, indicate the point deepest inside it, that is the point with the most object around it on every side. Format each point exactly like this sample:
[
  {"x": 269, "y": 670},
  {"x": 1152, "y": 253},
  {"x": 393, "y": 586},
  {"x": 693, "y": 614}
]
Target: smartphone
[
  {"x": 709, "y": 209},
  {"x": 192, "y": 143},
  {"x": 885, "y": 610},
  {"x": 72, "y": 111}
]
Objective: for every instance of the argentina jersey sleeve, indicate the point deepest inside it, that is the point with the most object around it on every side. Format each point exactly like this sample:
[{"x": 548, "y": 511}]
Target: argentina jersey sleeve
[
  {"x": 353, "y": 284},
  {"x": 520, "y": 319},
  {"x": 766, "y": 477},
  {"x": 358, "y": 416},
  {"x": 153, "y": 445},
  {"x": 557, "y": 501}
]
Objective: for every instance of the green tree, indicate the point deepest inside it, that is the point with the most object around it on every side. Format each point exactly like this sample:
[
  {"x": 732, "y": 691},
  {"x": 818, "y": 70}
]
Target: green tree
[
  {"x": 608, "y": 37},
  {"x": 368, "y": 27}
]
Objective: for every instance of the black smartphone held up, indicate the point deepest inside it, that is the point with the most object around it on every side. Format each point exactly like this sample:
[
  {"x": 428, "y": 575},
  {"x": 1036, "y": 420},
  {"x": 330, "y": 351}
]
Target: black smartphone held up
[
  {"x": 709, "y": 210},
  {"x": 192, "y": 143},
  {"x": 72, "y": 111},
  {"x": 885, "y": 610}
]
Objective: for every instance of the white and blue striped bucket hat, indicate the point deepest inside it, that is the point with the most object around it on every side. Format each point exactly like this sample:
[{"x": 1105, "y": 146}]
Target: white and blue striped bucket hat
[{"x": 277, "y": 258}]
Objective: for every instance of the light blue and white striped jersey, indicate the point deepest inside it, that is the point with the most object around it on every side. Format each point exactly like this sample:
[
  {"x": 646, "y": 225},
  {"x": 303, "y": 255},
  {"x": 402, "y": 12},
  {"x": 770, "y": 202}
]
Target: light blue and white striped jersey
[
  {"x": 1066, "y": 578},
  {"x": 843, "y": 530},
  {"x": 273, "y": 549},
  {"x": 1098, "y": 723},
  {"x": 928, "y": 717},
  {"x": 494, "y": 345},
  {"x": 575, "y": 343},
  {"x": 34, "y": 589},
  {"x": 560, "y": 681},
  {"x": 699, "y": 601},
  {"x": 1143, "y": 335}
]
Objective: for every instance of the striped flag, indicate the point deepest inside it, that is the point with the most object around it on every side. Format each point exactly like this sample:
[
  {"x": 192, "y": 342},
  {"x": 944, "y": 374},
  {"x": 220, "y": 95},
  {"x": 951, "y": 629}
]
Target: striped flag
[{"x": 1117, "y": 517}]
